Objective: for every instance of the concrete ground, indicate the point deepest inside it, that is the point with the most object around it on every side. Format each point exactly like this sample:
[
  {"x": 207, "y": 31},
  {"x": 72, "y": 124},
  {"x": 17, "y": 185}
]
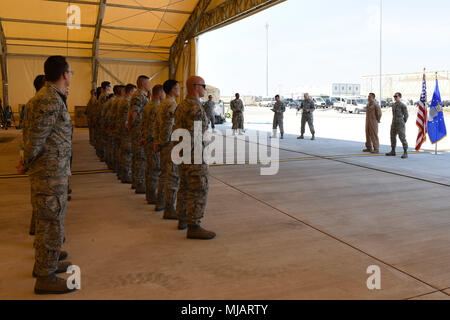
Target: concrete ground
[{"x": 309, "y": 232}]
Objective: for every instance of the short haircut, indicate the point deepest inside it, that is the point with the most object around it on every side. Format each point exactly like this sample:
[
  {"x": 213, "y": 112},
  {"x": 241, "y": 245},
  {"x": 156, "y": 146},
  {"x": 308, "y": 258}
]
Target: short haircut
[
  {"x": 399, "y": 94},
  {"x": 140, "y": 79},
  {"x": 105, "y": 84},
  {"x": 210, "y": 96},
  {"x": 277, "y": 96},
  {"x": 236, "y": 94},
  {"x": 116, "y": 89},
  {"x": 169, "y": 85},
  {"x": 157, "y": 89},
  {"x": 129, "y": 87},
  {"x": 54, "y": 68},
  {"x": 39, "y": 82},
  {"x": 372, "y": 94},
  {"x": 93, "y": 91}
]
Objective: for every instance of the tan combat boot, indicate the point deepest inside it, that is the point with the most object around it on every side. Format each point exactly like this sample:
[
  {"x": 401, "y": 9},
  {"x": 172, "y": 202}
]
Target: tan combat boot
[
  {"x": 51, "y": 285},
  {"x": 62, "y": 267},
  {"x": 405, "y": 154},
  {"x": 392, "y": 153},
  {"x": 195, "y": 231}
]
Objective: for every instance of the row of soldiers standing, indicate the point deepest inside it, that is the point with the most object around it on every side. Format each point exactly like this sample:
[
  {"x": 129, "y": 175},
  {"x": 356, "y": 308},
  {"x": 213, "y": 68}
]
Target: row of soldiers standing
[{"x": 131, "y": 133}]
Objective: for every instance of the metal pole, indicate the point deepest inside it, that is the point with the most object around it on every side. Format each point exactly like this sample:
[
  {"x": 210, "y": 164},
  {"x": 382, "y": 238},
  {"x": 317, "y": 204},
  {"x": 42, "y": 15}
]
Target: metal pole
[
  {"x": 267, "y": 59},
  {"x": 381, "y": 50}
]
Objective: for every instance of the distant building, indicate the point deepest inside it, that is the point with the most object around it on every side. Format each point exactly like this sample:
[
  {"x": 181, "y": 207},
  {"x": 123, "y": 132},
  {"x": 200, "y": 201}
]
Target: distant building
[
  {"x": 409, "y": 84},
  {"x": 346, "y": 89}
]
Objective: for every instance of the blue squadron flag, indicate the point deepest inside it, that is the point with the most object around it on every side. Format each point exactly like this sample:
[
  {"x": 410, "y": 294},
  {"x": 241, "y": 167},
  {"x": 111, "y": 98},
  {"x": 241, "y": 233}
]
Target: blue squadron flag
[{"x": 436, "y": 124}]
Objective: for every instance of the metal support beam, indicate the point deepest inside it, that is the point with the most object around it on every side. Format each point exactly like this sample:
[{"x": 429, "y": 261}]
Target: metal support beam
[
  {"x": 133, "y": 60},
  {"x": 81, "y": 48},
  {"x": 45, "y": 56},
  {"x": 110, "y": 73},
  {"x": 56, "y": 23},
  {"x": 158, "y": 73},
  {"x": 48, "y": 40},
  {"x": 96, "y": 41},
  {"x": 126, "y": 45},
  {"x": 131, "y": 45},
  {"x": 4, "y": 66},
  {"x": 231, "y": 11},
  {"x": 117, "y": 5},
  {"x": 87, "y": 58},
  {"x": 185, "y": 34}
]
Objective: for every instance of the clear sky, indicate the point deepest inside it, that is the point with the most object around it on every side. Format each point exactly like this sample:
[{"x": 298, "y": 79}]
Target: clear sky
[{"x": 320, "y": 42}]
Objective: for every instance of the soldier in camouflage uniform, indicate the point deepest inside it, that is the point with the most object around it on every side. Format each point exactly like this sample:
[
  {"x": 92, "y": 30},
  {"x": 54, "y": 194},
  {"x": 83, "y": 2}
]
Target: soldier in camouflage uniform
[
  {"x": 39, "y": 82},
  {"x": 47, "y": 153},
  {"x": 99, "y": 138},
  {"x": 124, "y": 133},
  {"x": 153, "y": 167},
  {"x": 237, "y": 106},
  {"x": 307, "y": 116},
  {"x": 168, "y": 179},
  {"x": 115, "y": 153},
  {"x": 89, "y": 110},
  {"x": 138, "y": 101},
  {"x": 399, "y": 119},
  {"x": 105, "y": 123},
  {"x": 193, "y": 193},
  {"x": 109, "y": 110},
  {"x": 279, "y": 109},
  {"x": 209, "y": 106}
]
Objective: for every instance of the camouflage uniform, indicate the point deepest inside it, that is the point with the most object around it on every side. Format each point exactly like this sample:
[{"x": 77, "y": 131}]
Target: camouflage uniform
[
  {"x": 89, "y": 112},
  {"x": 153, "y": 167},
  {"x": 193, "y": 193},
  {"x": 169, "y": 171},
  {"x": 208, "y": 106},
  {"x": 25, "y": 135},
  {"x": 99, "y": 136},
  {"x": 115, "y": 136},
  {"x": 237, "y": 106},
  {"x": 399, "y": 119},
  {"x": 307, "y": 116},
  {"x": 138, "y": 101},
  {"x": 125, "y": 140},
  {"x": 107, "y": 134},
  {"x": 280, "y": 109},
  {"x": 47, "y": 153}
]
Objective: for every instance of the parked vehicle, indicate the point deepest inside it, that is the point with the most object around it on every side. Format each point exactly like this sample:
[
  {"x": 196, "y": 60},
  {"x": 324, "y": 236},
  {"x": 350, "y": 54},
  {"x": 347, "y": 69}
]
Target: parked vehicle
[
  {"x": 339, "y": 103},
  {"x": 319, "y": 102},
  {"x": 219, "y": 110},
  {"x": 267, "y": 102},
  {"x": 298, "y": 103},
  {"x": 356, "y": 105},
  {"x": 290, "y": 103},
  {"x": 328, "y": 102}
]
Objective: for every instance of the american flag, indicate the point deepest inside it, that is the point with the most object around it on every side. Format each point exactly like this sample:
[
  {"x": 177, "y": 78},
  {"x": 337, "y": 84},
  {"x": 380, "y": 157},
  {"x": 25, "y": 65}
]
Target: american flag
[{"x": 421, "y": 121}]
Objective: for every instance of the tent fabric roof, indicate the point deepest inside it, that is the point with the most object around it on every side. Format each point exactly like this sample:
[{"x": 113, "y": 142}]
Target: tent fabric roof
[{"x": 136, "y": 29}]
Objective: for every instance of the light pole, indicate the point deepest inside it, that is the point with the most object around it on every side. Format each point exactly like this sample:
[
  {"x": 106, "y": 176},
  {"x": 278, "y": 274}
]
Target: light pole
[
  {"x": 267, "y": 59},
  {"x": 381, "y": 51}
]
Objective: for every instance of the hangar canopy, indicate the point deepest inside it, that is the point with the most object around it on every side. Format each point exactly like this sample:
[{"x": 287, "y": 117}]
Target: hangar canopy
[{"x": 107, "y": 40}]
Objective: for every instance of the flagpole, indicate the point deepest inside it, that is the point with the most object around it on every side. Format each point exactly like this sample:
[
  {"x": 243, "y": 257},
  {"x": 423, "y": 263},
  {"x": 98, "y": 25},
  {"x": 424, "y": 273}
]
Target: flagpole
[{"x": 435, "y": 146}]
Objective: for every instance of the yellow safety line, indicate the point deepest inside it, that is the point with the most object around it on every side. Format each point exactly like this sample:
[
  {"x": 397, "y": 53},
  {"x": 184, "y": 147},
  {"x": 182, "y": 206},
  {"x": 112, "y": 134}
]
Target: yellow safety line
[{"x": 75, "y": 173}]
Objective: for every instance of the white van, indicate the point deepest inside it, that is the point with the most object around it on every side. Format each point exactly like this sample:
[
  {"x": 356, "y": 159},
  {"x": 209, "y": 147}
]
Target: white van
[
  {"x": 356, "y": 105},
  {"x": 339, "y": 103}
]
